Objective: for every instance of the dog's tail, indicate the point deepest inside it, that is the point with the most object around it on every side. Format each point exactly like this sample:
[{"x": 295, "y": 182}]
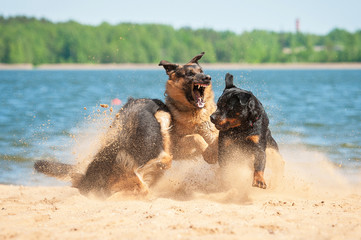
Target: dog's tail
[
  {"x": 54, "y": 169},
  {"x": 59, "y": 170}
]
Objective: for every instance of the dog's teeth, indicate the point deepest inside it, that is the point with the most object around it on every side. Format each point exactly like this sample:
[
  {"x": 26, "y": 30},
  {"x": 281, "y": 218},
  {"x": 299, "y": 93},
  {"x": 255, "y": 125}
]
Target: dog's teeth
[{"x": 199, "y": 86}]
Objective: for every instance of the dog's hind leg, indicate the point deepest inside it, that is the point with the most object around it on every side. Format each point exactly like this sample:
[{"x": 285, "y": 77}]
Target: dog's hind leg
[
  {"x": 134, "y": 178},
  {"x": 276, "y": 164},
  {"x": 275, "y": 160},
  {"x": 130, "y": 182},
  {"x": 270, "y": 140},
  {"x": 124, "y": 177},
  {"x": 150, "y": 172}
]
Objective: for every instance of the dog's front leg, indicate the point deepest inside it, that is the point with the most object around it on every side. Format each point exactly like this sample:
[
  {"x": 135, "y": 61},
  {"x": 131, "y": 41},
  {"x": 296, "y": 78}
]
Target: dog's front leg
[
  {"x": 195, "y": 143},
  {"x": 259, "y": 166},
  {"x": 210, "y": 155},
  {"x": 189, "y": 146}
]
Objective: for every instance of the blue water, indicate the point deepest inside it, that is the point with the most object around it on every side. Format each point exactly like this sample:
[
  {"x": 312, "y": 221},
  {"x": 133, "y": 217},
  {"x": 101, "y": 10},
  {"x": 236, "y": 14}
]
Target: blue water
[{"x": 41, "y": 111}]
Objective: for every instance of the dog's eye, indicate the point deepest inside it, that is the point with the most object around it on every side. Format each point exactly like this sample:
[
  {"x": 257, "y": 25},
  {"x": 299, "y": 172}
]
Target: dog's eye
[{"x": 189, "y": 74}]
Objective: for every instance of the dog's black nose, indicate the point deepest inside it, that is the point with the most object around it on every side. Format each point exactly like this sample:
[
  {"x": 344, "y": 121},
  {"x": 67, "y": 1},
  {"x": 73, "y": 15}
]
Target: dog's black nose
[
  {"x": 207, "y": 77},
  {"x": 203, "y": 77}
]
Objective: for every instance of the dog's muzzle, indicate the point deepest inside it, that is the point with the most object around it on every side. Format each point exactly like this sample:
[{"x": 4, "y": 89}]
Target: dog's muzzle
[{"x": 200, "y": 82}]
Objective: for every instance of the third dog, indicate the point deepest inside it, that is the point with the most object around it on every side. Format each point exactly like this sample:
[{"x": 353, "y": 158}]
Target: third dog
[{"x": 243, "y": 124}]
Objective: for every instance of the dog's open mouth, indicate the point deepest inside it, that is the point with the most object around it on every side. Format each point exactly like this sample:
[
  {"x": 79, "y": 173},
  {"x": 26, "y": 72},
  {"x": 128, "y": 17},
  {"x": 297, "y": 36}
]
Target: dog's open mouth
[{"x": 198, "y": 94}]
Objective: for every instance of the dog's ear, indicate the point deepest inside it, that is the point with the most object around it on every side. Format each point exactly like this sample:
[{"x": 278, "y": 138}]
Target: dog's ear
[
  {"x": 169, "y": 67},
  {"x": 254, "y": 109},
  {"x": 244, "y": 99},
  {"x": 196, "y": 58},
  {"x": 229, "y": 81}
]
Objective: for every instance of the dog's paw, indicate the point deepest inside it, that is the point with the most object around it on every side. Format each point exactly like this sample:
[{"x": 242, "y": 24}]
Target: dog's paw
[
  {"x": 196, "y": 141},
  {"x": 210, "y": 155},
  {"x": 165, "y": 161},
  {"x": 258, "y": 180},
  {"x": 162, "y": 166}
]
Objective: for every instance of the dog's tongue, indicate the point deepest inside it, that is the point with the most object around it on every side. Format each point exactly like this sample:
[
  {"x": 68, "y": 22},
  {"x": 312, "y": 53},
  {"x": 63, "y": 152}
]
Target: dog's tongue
[{"x": 199, "y": 100}]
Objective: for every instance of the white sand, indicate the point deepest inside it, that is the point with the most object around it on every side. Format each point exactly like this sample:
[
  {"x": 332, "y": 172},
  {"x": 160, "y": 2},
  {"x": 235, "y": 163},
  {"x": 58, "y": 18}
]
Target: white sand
[{"x": 314, "y": 201}]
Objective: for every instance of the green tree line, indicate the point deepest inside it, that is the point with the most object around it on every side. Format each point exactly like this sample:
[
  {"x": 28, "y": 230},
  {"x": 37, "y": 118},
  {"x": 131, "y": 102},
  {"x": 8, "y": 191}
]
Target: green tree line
[{"x": 38, "y": 41}]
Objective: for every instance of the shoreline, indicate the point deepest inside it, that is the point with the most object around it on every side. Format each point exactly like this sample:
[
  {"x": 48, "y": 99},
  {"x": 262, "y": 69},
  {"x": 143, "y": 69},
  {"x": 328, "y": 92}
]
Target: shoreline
[{"x": 212, "y": 66}]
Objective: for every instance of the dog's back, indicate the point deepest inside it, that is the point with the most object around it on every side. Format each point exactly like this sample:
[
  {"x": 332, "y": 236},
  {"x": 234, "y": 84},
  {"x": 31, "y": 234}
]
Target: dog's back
[{"x": 140, "y": 133}]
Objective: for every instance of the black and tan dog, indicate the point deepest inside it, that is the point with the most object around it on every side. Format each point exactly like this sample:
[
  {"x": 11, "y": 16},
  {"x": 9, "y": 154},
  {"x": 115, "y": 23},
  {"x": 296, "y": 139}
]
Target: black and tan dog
[
  {"x": 243, "y": 125},
  {"x": 190, "y": 100},
  {"x": 136, "y": 153}
]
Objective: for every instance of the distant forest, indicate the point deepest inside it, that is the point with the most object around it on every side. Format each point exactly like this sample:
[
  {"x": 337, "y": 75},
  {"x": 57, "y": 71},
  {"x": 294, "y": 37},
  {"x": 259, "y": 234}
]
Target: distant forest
[{"x": 38, "y": 41}]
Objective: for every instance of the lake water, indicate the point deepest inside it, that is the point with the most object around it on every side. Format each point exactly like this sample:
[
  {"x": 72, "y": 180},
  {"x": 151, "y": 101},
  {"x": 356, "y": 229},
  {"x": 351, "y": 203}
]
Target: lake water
[{"x": 42, "y": 113}]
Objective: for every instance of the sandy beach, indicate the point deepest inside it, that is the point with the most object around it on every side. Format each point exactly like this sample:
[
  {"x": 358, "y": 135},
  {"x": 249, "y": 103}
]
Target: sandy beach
[{"x": 312, "y": 201}]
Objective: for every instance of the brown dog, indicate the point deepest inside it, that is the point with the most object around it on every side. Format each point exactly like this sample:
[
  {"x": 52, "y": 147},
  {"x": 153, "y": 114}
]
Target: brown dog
[{"x": 190, "y": 100}]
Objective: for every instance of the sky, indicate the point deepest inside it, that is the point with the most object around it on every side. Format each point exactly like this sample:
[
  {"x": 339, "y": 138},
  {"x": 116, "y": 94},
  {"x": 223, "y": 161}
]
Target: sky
[{"x": 315, "y": 16}]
